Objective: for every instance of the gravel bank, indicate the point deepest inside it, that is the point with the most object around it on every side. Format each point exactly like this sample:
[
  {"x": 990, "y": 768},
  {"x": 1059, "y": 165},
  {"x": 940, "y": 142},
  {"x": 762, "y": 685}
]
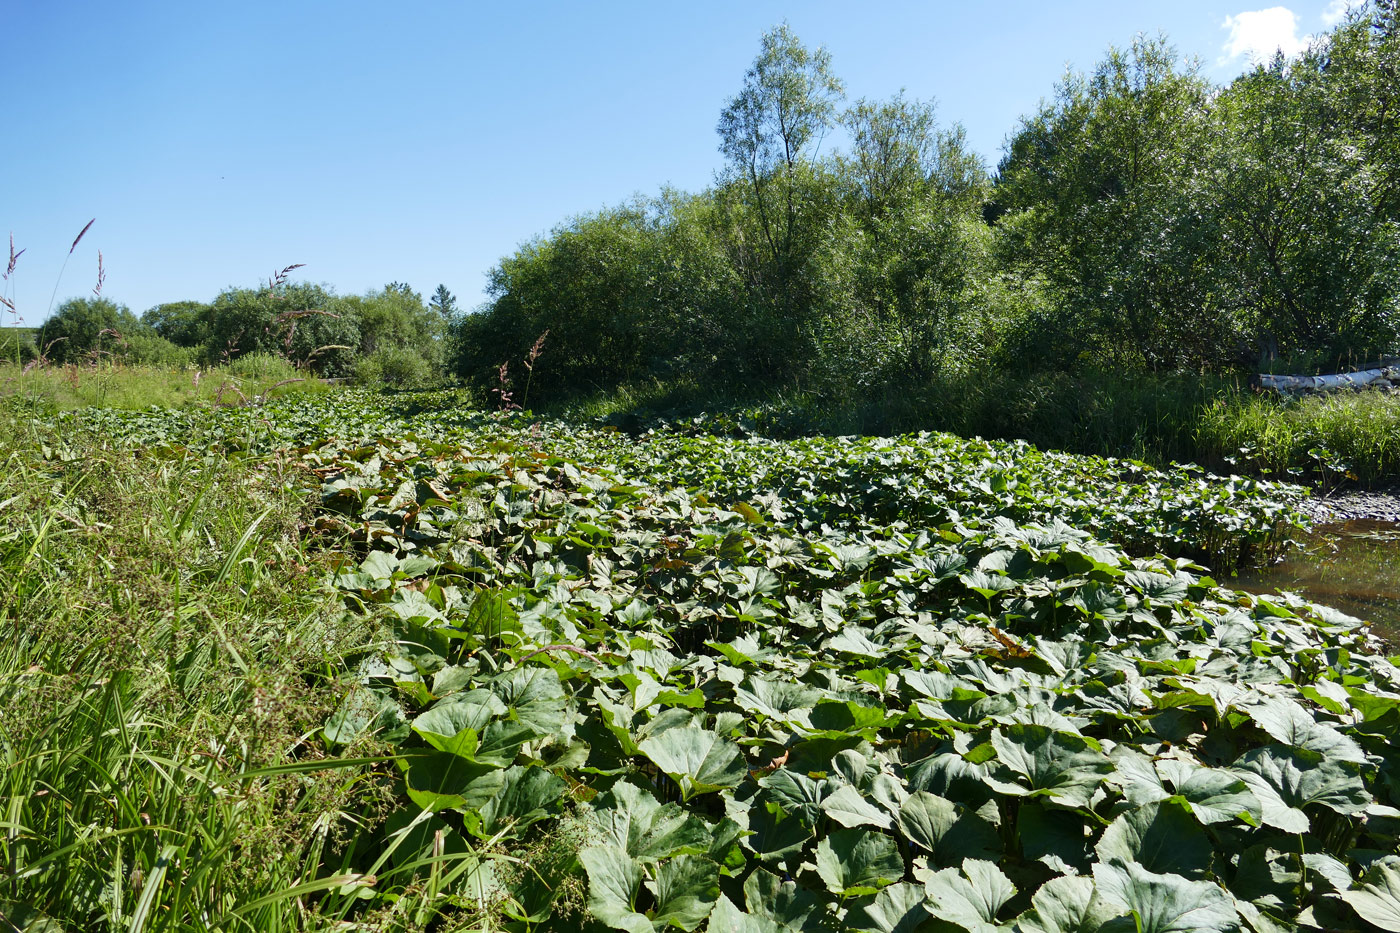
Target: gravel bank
[{"x": 1382, "y": 504}]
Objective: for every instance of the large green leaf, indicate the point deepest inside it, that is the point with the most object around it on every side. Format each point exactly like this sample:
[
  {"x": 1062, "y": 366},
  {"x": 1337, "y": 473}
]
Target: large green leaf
[
  {"x": 529, "y": 794},
  {"x": 847, "y": 807},
  {"x": 1162, "y": 903},
  {"x": 696, "y": 759},
  {"x": 1376, "y": 899},
  {"x": 783, "y": 903},
  {"x": 1288, "y": 780},
  {"x": 1214, "y": 795},
  {"x": 1161, "y": 837},
  {"x": 853, "y": 862},
  {"x": 534, "y": 697},
  {"x": 899, "y": 908},
  {"x": 970, "y": 897},
  {"x": 726, "y": 918},
  {"x": 1036, "y": 760},
  {"x": 799, "y": 794},
  {"x": 631, "y": 819},
  {"x": 1289, "y": 723},
  {"x": 685, "y": 889},
  {"x": 441, "y": 780},
  {"x": 363, "y": 712},
  {"x": 949, "y": 832},
  {"x": 1067, "y": 904},
  {"x": 614, "y": 881},
  {"x": 455, "y": 725},
  {"x": 776, "y": 699}
]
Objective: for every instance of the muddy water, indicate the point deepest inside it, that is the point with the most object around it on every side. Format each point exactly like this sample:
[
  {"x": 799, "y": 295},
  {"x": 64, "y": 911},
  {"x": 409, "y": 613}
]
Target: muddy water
[{"x": 1353, "y": 566}]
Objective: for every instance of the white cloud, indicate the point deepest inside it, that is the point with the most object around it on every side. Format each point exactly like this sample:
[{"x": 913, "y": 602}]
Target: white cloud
[
  {"x": 1336, "y": 12},
  {"x": 1257, "y": 35}
]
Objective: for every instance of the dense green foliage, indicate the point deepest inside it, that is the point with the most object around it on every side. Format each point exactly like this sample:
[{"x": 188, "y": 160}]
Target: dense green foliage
[
  {"x": 1141, "y": 220},
  {"x": 664, "y": 682},
  {"x": 387, "y": 336}
]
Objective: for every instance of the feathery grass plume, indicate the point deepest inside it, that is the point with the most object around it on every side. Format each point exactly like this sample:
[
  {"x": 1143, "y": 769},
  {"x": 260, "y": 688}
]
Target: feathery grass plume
[
  {"x": 280, "y": 278},
  {"x": 101, "y": 275},
  {"x": 76, "y": 240},
  {"x": 14, "y": 256},
  {"x": 81, "y": 233}
]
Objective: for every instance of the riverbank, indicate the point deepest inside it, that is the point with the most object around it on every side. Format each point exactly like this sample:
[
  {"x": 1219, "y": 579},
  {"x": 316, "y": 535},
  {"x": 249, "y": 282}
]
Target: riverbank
[{"x": 1379, "y": 505}]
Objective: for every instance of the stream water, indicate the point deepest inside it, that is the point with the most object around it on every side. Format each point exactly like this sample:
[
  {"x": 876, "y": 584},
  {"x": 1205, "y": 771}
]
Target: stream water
[{"x": 1353, "y": 566}]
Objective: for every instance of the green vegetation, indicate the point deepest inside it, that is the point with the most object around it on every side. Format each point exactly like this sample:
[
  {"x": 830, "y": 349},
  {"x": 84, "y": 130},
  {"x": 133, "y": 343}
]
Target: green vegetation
[
  {"x": 390, "y": 661},
  {"x": 282, "y": 658},
  {"x": 387, "y": 335},
  {"x": 1144, "y": 231},
  {"x": 110, "y": 384}
]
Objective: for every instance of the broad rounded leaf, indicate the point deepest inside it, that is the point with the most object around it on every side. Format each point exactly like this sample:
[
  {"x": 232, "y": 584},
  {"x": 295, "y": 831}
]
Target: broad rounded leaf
[
  {"x": 696, "y": 759},
  {"x": 857, "y": 861},
  {"x": 1166, "y": 903}
]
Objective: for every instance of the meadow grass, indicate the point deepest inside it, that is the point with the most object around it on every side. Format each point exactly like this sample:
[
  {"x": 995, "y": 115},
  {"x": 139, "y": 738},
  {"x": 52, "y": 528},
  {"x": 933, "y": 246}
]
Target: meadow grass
[
  {"x": 108, "y": 384},
  {"x": 1352, "y": 435},
  {"x": 169, "y": 649}
]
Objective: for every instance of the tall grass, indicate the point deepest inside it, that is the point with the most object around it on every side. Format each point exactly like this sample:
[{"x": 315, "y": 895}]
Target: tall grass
[
  {"x": 112, "y": 384},
  {"x": 1331, "y": 438},
  {"x": 168, "y": 649}
]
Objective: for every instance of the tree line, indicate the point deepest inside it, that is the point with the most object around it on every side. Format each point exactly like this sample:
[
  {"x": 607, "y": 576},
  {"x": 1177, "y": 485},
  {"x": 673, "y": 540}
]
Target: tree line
[
  {"x": 1141, "y": 219},
  {"x": 387, "y": 335}
]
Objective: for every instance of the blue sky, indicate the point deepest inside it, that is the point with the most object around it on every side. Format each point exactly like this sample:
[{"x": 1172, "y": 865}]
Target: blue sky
[{"x": 215, "y": 143}]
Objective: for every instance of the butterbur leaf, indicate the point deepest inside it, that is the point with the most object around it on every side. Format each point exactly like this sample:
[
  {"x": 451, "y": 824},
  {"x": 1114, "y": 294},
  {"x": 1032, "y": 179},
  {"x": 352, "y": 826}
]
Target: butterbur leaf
[
  {"x": 1035, "y": 760},
  {"x": 1288, "y": 722},
  {"x": 1333, "y": 870},
  {"x": 783, "y": 903},
  {"x": 1287, "y": 780},
  {"x": 799, "y": 795},
  {"x": 899, "y": 908},
  {"x": 455, "y": 726},
  {"x": 528, "y": 795},
  {"x": 986, "y": 584},
  {"x": 726, "y": 918},
  {"x": 631, "y": 819},
  {"x": 613, "y": 882},
  {"x": 949, "y": 832},
  {"x": 696, "y": 759},
  {"x": 1166, "y": 903},
  {"x": 853, "y": 862},
  {"x": 847, "y": 717},
  {"x": 970, "y": 898},
  {"x": 850, "y": 809},
  {"x": 1068, "y": 904},
  {"x": 776, "y": 699},
  {"x": 534, "y": 698},
  {"x": 1214, "y": 795},
  {"x": 442, "y": 780},
  {"x": 685, "y": 888},
  {"x": 852, "y": 640},
  {"x": 1162, "y": 837},
  {"x": 1377, "y": 898},
  {"x": 364, "y": 712},
  {"x": 1052, "y": 836}
]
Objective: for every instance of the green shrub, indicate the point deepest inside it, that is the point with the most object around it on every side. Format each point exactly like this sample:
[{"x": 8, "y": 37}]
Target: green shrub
[
  {"x": 154, "y": 350},
  {"x": 262, "y": 365},
  {"x": 399, "y": 367},
  {"x": 17, "y": 344}
]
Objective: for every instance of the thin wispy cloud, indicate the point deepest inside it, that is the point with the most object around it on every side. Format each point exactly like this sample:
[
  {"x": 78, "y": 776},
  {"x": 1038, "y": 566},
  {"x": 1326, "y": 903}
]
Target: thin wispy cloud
[
  {"x": 1259, "y": 34},
  {"x": 1335, "y": 12}
]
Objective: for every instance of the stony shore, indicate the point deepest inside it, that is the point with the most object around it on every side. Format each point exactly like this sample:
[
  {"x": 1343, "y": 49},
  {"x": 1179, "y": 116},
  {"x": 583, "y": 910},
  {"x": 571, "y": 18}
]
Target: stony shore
[{"x": 1380, "y": 504}]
